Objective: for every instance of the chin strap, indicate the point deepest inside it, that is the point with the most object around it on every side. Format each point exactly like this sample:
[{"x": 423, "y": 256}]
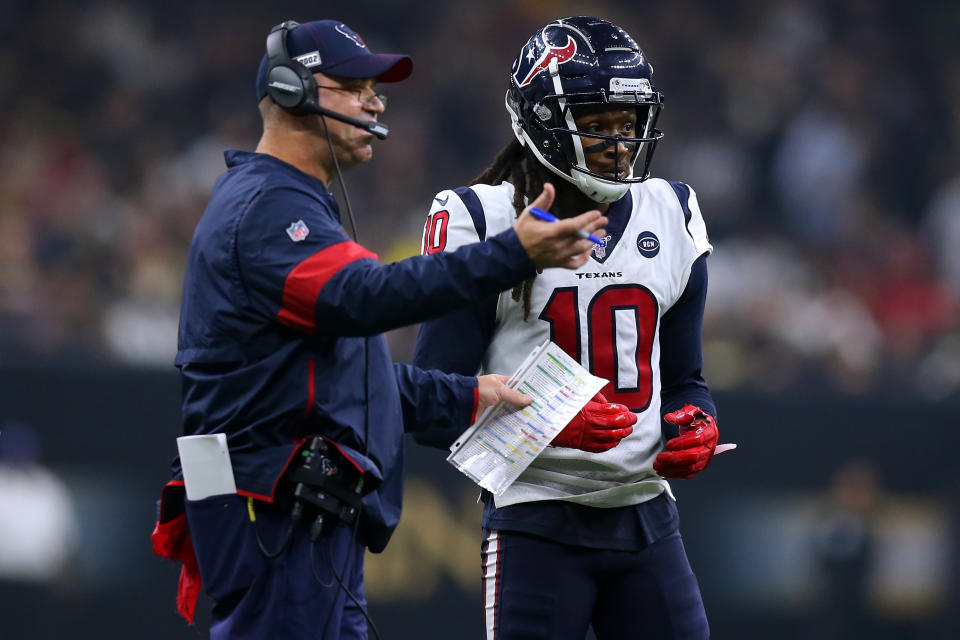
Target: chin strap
[{"x": 515, "y": 121}]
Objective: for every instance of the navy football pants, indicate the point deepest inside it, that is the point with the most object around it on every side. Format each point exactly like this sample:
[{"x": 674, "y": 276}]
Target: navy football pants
[
  {"x": 257, "y": 597},
  {"x": 536, "y": 589}
]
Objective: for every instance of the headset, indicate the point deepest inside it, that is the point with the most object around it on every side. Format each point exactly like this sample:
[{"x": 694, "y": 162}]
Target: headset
[{"x": 292, "y": 86}]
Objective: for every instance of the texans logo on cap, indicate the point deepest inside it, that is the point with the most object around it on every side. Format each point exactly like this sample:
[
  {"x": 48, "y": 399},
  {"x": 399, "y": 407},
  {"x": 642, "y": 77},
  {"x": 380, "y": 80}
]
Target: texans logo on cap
[
  {"x": 344, "y": 30},
  {"x": 560, "y": 54}
]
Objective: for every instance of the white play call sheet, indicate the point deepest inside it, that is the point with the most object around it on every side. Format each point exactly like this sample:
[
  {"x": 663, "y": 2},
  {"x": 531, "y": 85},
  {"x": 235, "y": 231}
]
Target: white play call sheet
[{"x": 504, "y": 440}]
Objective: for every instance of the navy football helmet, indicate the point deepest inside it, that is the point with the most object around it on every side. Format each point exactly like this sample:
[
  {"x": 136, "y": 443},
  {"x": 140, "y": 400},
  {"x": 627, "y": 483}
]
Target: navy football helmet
[{"x": 575, "y": 62}]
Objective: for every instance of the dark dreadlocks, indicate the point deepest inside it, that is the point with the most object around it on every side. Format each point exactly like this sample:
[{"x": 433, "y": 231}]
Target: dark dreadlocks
[{"x": 516, "y": 165}]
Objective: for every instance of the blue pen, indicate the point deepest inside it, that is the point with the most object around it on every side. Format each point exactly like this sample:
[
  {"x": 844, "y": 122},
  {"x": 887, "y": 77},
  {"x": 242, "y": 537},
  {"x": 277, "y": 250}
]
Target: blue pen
[{"x": 546, "y": 216}]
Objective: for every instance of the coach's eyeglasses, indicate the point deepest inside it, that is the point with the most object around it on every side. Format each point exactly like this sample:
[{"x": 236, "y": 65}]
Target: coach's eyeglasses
[{"x": 366, "y": 97}]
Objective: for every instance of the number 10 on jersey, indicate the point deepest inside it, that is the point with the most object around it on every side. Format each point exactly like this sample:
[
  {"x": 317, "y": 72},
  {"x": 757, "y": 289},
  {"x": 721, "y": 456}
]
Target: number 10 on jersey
[{"x": 621, "y": 325}]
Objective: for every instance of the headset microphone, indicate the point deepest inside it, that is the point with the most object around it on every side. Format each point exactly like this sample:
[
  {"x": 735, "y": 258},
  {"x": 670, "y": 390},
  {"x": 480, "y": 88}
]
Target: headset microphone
[{"x": 376, "y": 128}]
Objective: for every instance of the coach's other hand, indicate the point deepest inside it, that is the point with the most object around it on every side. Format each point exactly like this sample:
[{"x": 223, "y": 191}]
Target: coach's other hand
[
  {"x": 598, "y": 427},
  {"x": 556, "y": 244},
  {"x": 492, "y": 388}
]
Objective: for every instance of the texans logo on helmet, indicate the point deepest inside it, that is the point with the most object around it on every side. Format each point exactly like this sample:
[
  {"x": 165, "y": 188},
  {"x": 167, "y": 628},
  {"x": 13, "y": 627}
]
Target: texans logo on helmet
[{"x": 561, "y": 54}]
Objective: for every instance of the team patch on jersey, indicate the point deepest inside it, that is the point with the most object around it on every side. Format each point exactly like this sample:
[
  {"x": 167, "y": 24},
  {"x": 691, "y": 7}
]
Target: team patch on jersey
[
  {"x": 298, "y": 231},
  {"x": 648, "y": 244}
]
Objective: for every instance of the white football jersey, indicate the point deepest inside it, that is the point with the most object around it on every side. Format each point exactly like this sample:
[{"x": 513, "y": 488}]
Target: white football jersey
[{"x": 605, "y": 314}]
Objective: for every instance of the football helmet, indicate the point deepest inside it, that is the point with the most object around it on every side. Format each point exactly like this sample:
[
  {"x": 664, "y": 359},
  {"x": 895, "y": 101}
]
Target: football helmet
[{"x": 581, "y": 61}]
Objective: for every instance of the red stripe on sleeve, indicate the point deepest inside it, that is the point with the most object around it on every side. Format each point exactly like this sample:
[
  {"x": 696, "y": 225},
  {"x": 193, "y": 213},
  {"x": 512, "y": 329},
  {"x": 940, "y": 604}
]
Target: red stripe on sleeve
[
  {"x": 476, "y": 402},
  {"x": 307, "y": 279}
]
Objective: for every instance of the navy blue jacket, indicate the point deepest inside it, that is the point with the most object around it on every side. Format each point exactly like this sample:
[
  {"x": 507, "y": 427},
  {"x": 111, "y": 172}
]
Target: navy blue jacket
[{"x": 280, "y": 332}]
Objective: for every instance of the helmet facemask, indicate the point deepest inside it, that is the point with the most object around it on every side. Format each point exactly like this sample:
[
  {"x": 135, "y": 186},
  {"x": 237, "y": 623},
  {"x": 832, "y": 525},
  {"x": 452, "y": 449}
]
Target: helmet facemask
[{"x": 553, "y": 137}]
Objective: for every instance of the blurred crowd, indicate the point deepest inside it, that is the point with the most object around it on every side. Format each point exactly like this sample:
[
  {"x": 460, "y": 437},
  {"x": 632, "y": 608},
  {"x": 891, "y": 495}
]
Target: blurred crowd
[{"x": 821, "y": 138}]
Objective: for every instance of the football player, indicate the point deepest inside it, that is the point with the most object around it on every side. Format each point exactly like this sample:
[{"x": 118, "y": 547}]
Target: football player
[{"x": 588, "y": 534}]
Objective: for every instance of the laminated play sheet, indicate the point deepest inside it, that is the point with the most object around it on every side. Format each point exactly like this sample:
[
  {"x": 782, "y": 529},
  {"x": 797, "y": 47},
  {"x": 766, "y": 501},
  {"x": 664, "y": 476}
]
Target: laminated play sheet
[{"x": 504, "y": 440}]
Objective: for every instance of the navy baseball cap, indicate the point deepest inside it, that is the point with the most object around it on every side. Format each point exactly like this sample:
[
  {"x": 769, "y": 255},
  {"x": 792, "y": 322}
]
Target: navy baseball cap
[{"x": 329, "y": 46}]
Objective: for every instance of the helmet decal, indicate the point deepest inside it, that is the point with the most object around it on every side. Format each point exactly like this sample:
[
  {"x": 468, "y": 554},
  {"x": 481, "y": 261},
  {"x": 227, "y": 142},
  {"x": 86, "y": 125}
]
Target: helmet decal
[{"x": 560, "y": 54}]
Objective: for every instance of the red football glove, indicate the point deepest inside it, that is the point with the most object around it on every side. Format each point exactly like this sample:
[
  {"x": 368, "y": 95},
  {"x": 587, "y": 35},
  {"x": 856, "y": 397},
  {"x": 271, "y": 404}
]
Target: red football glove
[
  {"x": 689, "y": 453},
  {"x": 598, "y": 427}
]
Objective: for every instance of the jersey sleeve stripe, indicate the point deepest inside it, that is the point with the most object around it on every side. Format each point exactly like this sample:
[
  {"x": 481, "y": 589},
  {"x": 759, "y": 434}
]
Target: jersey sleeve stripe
[
  {"x": 683, "y": 195},
  {"x": 475, "y": 208},
  {"x": 304, "y": 283}
]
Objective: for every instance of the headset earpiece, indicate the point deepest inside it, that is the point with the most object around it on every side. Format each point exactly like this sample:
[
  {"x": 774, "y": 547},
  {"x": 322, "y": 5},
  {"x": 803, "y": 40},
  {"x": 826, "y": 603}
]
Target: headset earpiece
[{"x": 289, "y": 83}]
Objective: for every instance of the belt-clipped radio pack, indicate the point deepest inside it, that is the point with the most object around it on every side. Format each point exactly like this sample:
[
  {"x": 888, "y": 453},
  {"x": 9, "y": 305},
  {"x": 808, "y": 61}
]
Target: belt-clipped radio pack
[{"x": 327, "y": 486}]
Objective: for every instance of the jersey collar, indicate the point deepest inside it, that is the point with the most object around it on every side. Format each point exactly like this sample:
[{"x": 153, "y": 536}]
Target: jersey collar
[{"x": 618, "y": 215}]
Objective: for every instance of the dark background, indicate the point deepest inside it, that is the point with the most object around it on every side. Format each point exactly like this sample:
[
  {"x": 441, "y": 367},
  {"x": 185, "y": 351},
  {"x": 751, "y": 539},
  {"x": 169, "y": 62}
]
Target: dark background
[{"x": 821, "y": 139}]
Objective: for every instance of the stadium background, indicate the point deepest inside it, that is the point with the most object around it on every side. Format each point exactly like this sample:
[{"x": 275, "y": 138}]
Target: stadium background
[{"x": 821, "y": 137}]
